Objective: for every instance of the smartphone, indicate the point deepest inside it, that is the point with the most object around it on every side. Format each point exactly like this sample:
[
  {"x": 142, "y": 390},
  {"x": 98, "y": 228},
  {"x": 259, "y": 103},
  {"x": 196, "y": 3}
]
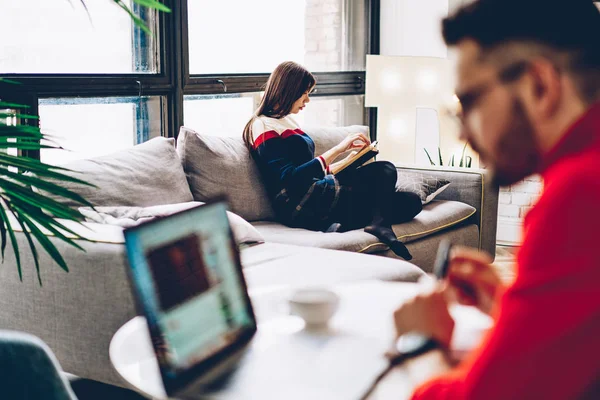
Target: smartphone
[
  {"x": 442, "y": 260},
  {"x": 415, "y": 343}
]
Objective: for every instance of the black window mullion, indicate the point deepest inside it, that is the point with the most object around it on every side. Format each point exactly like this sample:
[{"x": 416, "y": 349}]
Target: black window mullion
[
  {"x": 373, "y": 8},
  {"x": 328, "y": 83},
  {"x": 174, "y": 24}
]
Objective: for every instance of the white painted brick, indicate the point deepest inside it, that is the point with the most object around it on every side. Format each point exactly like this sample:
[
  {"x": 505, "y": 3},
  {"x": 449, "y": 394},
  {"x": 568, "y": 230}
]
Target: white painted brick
[
  {"x": 505, "y": 189},
  {"x": 523, "y": 211},
  {"x": 333, "y": 59},
  {"x": 333, "y": 7},
  {"x": 521, "y": 199},
  {"x": 331, "y": 20},
  {"x": 504, "y": 198},
  {"x": 527, "y": 187},
  {"x": 328, "y": 45},
  {"x": 506, "y": 210},
  {"x": 311, "y": 45}
]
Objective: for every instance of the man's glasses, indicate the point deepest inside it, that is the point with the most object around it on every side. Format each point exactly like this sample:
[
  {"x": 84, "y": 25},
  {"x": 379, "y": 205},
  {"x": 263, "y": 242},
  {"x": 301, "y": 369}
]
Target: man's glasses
[{"x": 470, "y": 98}]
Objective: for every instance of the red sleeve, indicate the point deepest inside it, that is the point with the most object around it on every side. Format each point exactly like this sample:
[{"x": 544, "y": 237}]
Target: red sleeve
[{"x": 545, "y": 344}]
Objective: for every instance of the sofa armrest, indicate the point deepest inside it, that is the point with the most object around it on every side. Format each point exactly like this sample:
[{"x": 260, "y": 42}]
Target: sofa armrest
[
  {"x": 471, "y": 186},
  {"x": 75, "y": 313}
]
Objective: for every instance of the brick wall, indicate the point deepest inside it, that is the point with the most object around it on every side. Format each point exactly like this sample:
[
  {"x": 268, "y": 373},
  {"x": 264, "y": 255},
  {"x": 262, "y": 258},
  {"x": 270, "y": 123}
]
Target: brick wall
[
  {"x": 514, "y": 203},
  {"x": 324, "y": 35}
]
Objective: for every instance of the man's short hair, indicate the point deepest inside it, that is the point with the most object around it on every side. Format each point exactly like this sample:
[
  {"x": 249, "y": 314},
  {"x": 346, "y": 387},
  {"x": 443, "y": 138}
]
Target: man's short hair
[{"x": 568, "y": 27}]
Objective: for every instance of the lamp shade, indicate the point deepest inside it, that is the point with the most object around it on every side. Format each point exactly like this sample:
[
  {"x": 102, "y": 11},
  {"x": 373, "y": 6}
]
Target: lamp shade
[{"x": 409, "y": 93}]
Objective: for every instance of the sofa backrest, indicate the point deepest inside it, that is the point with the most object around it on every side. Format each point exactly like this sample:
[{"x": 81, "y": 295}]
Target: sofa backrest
[
  {"x": 223, "y": 166},
  {"x": 145, "y": 175}
]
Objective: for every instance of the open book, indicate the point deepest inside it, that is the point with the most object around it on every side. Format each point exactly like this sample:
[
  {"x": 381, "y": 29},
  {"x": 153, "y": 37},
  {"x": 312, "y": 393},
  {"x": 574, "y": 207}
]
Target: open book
[{"x": 358, "y": 159}]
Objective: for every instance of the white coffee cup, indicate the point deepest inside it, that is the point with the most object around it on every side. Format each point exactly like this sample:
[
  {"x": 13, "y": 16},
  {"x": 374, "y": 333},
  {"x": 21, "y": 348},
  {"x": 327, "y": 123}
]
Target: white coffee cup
[{"x": 315, "y": 306}]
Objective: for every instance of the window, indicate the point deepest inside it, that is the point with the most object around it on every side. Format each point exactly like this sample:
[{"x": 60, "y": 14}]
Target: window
[
  {"x": 100, "y": 84},
  {"x": 92, "y": 127},
  {"x": 227, "y": 115},
  {"x": 64, "y": 39},
  {"x": 262, "y": 33}
]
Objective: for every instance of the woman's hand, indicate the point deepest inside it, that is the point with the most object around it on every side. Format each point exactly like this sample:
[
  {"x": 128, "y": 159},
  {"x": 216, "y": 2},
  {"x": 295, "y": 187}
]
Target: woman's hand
[
  {"x": 474, "y": 279},
  {"x": 353, "y": 141}
]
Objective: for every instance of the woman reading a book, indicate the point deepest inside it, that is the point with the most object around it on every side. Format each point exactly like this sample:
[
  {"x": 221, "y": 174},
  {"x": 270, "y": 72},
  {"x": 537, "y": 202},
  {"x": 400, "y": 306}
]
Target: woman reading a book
[{"x": 303, "y": 190}]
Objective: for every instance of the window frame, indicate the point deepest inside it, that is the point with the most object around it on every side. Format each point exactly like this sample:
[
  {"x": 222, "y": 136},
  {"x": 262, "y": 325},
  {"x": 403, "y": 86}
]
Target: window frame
[{"x": 173, "y": 80}]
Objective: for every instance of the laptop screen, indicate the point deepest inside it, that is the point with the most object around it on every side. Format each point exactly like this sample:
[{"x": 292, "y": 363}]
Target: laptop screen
[{"x": 186, "y": 274}]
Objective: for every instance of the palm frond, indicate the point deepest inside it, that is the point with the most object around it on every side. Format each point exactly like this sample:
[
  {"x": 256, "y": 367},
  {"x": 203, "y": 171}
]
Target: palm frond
[
  {"x": 18, "y": 198},
  {"x": 13, "y": 239}
]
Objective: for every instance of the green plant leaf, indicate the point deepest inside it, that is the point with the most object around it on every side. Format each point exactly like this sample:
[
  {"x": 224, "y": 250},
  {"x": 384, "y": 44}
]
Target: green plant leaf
[
  {"x": 428, "y": 156},
  {"x": 5, "y": 104},
  {"x": 13, "y": 240},
  {"x": 462, "y": 157},
  {"x": 10, "y": 81},
  {"x": 23, "y": 131},
  {"x": 13, "y": 190},
  {"x": 452, "y": 163},
  {"x": 440, "y": 155},
  {"x": 39, "y": 168},
  {"x": 45, "y": 242},
  {"x": 50, "y": 224},
  {"x": 153, "y": 4},
  {"x": 469, "y": 160},
  {"x": 21, "y": 116},
  {"x": 137, "y": 20},
  {"x": 34, "y": 252},
  {"x": 49, "y": 187}
]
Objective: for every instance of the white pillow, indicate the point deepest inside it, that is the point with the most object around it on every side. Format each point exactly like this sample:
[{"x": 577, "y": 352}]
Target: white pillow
[{"x": 131, "y": 216}]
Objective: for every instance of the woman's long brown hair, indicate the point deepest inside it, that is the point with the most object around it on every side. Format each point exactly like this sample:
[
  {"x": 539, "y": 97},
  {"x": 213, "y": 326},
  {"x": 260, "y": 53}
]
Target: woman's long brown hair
[{"x": 286, "y": 84}]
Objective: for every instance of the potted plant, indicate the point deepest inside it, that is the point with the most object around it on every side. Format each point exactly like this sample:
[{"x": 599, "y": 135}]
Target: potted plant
[
  {"x": 465, "y": 161},
  {"x": 34, "y": 211}
]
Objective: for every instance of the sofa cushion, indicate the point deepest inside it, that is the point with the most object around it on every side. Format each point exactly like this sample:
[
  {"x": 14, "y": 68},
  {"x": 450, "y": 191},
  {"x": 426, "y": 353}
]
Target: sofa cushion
[
  {"x": 222, "y": 165},
  {"x": 436, "y": 216},
  {"x": 145, "y": 175}
]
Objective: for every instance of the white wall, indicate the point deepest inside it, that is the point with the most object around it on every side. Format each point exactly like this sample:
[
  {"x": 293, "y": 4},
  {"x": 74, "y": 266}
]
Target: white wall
[{"x": 412, "y": 28}]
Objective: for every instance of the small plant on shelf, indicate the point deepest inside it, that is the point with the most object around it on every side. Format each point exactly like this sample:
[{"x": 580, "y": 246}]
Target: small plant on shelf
[{"x": 465, "y": 161}]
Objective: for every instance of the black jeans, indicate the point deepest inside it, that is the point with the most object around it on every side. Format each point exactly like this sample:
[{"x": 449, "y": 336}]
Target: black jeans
[{"x": 370, "y": 198}]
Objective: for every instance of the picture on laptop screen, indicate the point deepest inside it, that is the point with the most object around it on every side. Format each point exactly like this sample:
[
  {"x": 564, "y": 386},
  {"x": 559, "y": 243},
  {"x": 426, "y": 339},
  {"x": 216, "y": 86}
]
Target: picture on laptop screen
[{"x": 187, "y": 275}]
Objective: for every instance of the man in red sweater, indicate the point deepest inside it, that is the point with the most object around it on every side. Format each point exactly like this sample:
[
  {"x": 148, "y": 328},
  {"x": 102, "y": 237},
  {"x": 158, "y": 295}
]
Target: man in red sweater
[{"x": 529, "y": 86}]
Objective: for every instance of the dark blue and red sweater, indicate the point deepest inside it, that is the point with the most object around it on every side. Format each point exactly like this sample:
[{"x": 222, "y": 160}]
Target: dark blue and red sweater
[{"x": 301, "y": 191}]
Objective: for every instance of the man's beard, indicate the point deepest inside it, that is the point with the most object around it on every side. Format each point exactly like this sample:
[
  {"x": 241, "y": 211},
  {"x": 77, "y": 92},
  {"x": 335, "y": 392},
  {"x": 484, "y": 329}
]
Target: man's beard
[{"x": 517, "y": 155}]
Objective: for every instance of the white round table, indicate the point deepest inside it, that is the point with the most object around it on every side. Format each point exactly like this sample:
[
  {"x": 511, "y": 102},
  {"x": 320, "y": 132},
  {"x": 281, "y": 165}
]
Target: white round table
[{"x": 365, "y": 311}]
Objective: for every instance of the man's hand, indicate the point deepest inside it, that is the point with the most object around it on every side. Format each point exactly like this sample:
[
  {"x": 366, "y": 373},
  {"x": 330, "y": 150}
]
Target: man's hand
[
  {"x": 427, "y": 314},
  {"x": 473, "y": 278}
]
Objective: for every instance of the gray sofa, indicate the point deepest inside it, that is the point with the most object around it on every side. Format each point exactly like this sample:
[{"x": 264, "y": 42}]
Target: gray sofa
[
  {"x": 465, "y": 212},
  {"x": 77, "y": 313}
]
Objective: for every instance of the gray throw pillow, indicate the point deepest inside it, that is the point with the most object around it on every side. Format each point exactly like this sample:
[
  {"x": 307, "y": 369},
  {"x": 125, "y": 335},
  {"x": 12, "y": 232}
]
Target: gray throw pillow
[
  {"x": 217, "y": 166},
  {"x": 427, "y": 187},
  {"x": 148, "y": 174}
]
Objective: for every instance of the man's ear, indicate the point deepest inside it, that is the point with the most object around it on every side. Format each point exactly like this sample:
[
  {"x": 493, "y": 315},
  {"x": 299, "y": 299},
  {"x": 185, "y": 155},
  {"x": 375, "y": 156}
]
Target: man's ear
[{"x": 544, "y": 88}]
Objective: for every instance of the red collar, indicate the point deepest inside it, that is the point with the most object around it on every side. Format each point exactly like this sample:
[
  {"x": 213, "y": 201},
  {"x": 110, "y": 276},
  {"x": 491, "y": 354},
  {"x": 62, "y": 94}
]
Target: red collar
[{"x": 584, "y": 132}]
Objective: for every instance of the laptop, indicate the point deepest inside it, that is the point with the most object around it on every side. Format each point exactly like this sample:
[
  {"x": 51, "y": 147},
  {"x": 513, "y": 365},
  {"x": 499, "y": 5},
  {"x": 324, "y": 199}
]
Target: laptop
[{"x": 187, "y": 280}]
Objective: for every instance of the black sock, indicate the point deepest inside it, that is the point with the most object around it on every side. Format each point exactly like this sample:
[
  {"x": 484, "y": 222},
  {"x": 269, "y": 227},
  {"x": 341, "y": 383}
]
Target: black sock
[{"x": 387, "y": 237}]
